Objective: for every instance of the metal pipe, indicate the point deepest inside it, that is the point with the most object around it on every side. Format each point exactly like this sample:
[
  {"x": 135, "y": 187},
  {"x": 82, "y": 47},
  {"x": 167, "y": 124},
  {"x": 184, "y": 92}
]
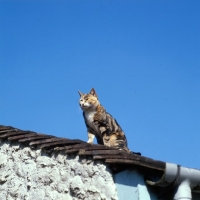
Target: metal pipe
[
  {"x": 183, "y": 191},
  {"x": 184, "y": 179}
]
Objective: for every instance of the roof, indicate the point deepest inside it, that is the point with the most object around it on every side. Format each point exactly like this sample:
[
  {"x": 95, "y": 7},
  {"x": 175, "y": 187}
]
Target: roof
[{"x": 117, "y": 159}]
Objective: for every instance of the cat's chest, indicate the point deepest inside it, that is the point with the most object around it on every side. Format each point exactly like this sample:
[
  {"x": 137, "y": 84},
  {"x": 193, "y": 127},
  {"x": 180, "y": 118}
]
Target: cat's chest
[{"x": 89, "y": 116}]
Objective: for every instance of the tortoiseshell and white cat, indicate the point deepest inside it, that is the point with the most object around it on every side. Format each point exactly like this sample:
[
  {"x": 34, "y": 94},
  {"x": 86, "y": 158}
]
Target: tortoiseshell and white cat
[{"x": 100, "y": 123}]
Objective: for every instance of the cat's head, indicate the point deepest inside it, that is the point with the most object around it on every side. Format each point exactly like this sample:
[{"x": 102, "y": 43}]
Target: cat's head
[{"x": 88, "y": 101}]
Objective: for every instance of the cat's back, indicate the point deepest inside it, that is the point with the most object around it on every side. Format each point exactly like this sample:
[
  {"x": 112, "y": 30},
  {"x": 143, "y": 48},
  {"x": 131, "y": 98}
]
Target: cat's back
[{"x": 112, "y": 123}]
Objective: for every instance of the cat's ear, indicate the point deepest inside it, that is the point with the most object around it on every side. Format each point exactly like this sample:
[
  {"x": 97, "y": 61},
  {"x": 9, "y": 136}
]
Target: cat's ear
[
  {"x": 80, "y": 93},
  {"x": 93, "y": 92}
]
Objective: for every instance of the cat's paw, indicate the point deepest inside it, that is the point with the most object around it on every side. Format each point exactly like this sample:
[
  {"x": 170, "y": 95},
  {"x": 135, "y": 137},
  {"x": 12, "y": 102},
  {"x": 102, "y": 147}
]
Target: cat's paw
[{"x": 90, "y": 142}]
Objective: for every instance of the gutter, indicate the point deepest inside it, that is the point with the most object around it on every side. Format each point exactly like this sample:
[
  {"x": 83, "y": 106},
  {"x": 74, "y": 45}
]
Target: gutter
[{"x": 184, "y": 180}]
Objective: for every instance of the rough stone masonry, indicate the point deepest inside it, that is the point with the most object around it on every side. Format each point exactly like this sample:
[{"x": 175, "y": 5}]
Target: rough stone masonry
[{"x": 30, "y": 174}]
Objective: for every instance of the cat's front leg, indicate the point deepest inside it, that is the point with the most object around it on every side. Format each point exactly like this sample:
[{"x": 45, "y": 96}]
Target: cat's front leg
[{"x": 90, "y": 138}]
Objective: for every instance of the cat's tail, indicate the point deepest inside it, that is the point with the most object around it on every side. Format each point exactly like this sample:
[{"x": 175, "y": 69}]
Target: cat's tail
[{"x": 137, "y": 153}]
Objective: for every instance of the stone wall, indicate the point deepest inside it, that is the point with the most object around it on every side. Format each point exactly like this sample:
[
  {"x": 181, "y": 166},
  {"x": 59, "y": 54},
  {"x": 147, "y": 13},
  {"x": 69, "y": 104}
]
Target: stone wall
[{"x": 29, "y": 174}]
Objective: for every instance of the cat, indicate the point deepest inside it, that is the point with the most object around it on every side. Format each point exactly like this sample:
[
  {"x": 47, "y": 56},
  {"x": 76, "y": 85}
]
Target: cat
[{"x": 101, "y": 124}]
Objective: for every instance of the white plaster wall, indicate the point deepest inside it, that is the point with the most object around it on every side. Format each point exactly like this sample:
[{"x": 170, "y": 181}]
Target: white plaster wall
[{"x": 27, "y": 174}]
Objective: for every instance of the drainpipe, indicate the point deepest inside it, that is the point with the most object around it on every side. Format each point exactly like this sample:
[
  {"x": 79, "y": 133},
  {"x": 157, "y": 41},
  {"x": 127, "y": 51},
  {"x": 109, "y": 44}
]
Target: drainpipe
[
  {"x": 184, "y": 179},
  {"x": 183, "y": 191}
]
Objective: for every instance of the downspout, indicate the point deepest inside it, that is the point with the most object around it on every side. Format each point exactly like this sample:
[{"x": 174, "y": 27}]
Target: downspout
[
  {"x": 184, "y": 179},
  {"x": 183, "y": 191}
]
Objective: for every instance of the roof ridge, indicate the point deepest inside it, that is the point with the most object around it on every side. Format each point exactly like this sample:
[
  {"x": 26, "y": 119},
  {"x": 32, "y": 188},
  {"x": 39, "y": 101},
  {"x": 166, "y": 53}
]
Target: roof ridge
[{"x": 51, "y": 143}]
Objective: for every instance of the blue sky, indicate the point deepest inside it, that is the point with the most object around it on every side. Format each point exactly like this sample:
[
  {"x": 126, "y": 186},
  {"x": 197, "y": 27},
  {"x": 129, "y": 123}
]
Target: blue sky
[{"x": 142, "y": 57}]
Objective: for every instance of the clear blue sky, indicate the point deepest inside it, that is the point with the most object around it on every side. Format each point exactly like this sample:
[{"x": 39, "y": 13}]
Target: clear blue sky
[{"x": 142, "y": 57}]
